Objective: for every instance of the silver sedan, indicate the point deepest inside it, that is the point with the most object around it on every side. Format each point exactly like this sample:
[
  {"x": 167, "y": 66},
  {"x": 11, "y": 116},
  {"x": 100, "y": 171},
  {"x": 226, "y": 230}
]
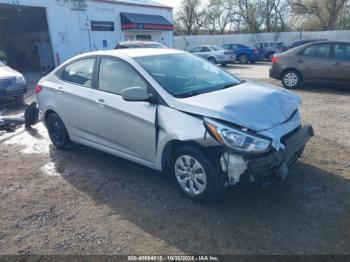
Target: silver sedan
[
  {"x": 172, "y": 111},
  {"x": 215, "y": 54}
]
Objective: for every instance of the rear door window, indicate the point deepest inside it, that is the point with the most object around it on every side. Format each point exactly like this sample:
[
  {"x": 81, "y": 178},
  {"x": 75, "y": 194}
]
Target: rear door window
[
  {"x": 319, "y": 50},
  {"x": 342, "y": 51},
  {"x": 79, "y": 72},
  {"x": 205, "y": 49},
  {"x": 196, "y": 50}
]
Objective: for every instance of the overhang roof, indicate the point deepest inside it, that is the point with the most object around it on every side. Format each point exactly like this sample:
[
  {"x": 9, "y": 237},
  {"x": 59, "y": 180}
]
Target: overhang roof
[{"x": 144, "y": 22}]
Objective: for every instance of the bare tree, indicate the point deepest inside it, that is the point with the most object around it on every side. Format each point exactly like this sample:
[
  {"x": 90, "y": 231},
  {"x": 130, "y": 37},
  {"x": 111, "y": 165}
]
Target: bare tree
[
  {"x": 247, "y": 10},
  {"x": 273, "y": 14},
  {"x": 190, "y": 16},
  {"x": 324, "y": 14}
]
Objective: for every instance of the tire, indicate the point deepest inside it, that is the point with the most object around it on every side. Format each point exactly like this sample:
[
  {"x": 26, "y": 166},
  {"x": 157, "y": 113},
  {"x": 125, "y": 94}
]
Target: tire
[
  {"x": 206, "y": 182},
  {"x": 243, "y": 59},
  {"x": 213, "y": 60},
  {"x": 31, "y": 115},
  {"x": 291, "y": 79},
  {"x": 270, "y": 57},
  {"x": 57, "y": 131}
]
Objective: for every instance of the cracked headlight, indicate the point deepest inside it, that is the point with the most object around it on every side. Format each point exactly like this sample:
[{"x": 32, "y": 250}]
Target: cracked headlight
[
  {"x": 235, "y": 138},
  {"x": 20, "y": 79}
]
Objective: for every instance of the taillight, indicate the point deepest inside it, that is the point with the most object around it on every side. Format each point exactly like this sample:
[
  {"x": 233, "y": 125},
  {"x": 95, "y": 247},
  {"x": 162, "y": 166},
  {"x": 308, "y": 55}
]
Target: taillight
[
  {"x": 38, "y": 89},
  {"x": 275, "y": 59}
]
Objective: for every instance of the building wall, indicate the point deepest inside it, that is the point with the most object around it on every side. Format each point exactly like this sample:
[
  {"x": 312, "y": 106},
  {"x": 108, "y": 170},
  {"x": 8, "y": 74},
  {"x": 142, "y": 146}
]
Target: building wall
[
  {"x": 69, "y": 29},
  {"x": 188, "y": 42}
]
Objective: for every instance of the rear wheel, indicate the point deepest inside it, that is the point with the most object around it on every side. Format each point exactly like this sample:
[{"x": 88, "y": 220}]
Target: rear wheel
[
  {"x": 213, "y": 60},
  {"x": 197, "y": 177},
  {"x": 57, "y": 131},
  {"x": 291, "y": 79},
  {"x": 243, "y": 59}
]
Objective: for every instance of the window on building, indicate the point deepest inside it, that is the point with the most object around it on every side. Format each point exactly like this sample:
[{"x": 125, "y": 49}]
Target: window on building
[
  {"x": 79, "y": 72},
  {"x": 115, "y": 76},
  {"x": 144, "y": 37}
]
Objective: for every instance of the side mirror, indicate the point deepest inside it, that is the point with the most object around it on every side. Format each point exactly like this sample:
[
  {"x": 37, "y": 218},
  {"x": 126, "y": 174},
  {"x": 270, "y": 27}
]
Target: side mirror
[{"x": 135, "y": 94}]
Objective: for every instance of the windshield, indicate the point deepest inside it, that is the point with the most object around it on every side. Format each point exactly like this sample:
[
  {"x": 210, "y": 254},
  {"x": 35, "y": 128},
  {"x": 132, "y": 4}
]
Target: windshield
[{"x": 185, "y": 75}]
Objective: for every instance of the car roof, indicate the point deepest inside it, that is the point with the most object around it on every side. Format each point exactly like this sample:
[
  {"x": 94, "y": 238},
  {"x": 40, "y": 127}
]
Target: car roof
[
  {"x": 137, "y": 42},
  {"x": 135, "y": 52}
]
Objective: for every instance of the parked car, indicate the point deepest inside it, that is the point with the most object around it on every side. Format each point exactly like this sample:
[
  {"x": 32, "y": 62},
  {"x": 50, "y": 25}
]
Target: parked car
[
  {"x": 215, "y": 54},
  {"x": 303, "y": 42},
  {"x": 244, "y": 54},
  {"x": 172, "y": 111},
  {"x": 325, "y": 62},
  {"x": 12, "y": 83},
  {"x": 268, "y": 49},
  {"x": 139, "y": 44}
]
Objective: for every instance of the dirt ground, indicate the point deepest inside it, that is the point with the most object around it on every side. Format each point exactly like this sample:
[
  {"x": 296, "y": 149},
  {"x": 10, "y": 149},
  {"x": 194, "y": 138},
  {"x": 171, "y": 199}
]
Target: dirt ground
[{"x": 86, "y": 202}]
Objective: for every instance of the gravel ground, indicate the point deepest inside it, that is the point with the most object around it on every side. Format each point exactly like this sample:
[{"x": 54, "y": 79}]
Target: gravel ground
[{"x": 87, "y": 202}]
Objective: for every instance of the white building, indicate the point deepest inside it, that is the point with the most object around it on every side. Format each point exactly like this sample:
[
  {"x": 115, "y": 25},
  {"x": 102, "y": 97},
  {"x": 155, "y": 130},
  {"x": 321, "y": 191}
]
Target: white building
[{"x": 37, "y": 33}]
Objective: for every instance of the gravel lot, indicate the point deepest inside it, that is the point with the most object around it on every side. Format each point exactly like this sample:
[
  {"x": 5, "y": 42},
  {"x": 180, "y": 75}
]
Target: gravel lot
[{"x": 86, "y": 202}]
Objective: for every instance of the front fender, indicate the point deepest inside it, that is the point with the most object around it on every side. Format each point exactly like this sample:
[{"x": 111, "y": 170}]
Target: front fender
[{"x": 174, "y": 125}]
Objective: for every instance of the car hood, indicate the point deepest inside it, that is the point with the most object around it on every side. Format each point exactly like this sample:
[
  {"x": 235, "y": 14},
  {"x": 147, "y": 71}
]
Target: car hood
[
  {"x": 6, "y": 72},
  {"x": 252, "y": 105}
]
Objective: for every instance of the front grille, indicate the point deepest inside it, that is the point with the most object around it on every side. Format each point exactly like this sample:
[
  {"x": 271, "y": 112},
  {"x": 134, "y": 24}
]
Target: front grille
[{"x": 5, "y": 83}]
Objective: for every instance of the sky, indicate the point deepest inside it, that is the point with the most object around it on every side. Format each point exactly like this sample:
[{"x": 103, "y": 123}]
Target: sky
[{"x": 173, "y": 3}]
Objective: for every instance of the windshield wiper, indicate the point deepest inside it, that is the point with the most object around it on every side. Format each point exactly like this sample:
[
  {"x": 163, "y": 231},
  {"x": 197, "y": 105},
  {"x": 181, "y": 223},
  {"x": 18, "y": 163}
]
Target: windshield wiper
[
  {"x": 188, "y": 94},
  {"x": 229, "y": 85}
]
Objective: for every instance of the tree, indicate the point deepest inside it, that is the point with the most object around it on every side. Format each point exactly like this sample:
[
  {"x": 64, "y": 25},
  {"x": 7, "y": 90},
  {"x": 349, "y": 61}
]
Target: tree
[
  {"x": 247, "y": 10},
  {"x": 190, "y": 16},
  {"x": 323, "y": 14},
  {"x": 218, "y": 16},
  {"x": 273, "y": 14}
]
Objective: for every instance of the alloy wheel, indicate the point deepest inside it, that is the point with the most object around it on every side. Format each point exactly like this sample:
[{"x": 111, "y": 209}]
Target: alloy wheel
[
  {"x": 291, "y": 79},
  {"x": 190, "y": 174}
]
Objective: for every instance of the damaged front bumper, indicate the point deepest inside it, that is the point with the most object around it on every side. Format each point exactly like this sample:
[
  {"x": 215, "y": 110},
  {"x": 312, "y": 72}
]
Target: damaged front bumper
[{"x": 265, "y": 169}]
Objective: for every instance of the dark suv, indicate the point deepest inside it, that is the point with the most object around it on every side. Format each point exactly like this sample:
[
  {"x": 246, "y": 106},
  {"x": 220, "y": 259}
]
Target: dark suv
[
  {"x": 268, "y": 49},
  {"x": 321, "y": 62}
]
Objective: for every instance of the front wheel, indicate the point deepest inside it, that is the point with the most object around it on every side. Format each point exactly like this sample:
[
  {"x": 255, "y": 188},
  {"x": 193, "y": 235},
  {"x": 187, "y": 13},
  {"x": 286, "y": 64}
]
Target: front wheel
[
  {"x": 291, "y": 79},
  {"x": 243, "y": 59},
  {"x": 196, "y": 175},
  {"x": 57, "y": 131}
]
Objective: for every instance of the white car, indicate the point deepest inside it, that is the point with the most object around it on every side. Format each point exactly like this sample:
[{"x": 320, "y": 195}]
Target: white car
[
  {"x": 215, "y": 54},
  {"x": 12, "y": 83},
  {"x": 172, "y": 111}
]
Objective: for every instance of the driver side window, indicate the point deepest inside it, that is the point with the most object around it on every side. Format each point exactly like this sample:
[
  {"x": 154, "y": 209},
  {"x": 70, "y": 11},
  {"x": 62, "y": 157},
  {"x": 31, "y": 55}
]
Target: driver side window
[{"x": 116, "y": 75}]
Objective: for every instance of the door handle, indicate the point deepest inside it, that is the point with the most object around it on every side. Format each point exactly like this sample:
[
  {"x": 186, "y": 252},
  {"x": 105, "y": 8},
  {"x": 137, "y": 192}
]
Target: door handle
[
  {"x": 336, "y": 64},
  {"x": 100, "y": 102},
  {"x": 300, "y": 61}
]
